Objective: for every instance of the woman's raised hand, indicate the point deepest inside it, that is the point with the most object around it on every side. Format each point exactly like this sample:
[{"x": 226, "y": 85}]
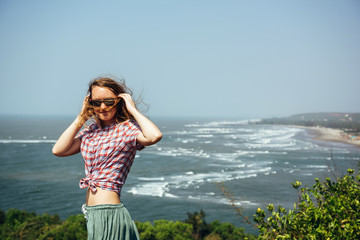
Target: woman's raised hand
[
  {"x": 85, "y": 103},
  {"x": 84, "y": 116},
  {"x": 129, "y": 102},
  {"x": 150, "y": 133}
]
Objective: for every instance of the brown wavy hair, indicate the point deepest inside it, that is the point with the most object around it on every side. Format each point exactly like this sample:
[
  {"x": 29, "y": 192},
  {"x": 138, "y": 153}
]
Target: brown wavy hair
[{"x": 117, "y": 86}]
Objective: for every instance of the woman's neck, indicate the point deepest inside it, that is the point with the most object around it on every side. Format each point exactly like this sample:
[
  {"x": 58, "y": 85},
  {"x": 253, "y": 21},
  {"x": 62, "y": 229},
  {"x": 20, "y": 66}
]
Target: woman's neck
[{"x": 107, "y": 123}]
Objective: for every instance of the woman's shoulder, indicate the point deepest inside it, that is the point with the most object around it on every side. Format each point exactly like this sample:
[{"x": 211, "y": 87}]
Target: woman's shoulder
[{"x": 87, "y": 130}]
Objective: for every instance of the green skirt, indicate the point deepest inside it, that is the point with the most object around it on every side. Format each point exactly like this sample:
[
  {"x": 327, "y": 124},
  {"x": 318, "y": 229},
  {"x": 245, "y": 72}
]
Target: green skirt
[{"x": 110, "y": 221}]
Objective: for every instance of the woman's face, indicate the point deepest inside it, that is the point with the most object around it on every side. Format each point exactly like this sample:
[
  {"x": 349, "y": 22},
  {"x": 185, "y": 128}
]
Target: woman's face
[{"x": 106, "y": 115}]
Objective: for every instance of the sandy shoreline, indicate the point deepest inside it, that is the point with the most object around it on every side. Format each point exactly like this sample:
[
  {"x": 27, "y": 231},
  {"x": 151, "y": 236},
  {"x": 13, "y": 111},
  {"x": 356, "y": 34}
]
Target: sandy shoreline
[{"x": 331, "y": 135}]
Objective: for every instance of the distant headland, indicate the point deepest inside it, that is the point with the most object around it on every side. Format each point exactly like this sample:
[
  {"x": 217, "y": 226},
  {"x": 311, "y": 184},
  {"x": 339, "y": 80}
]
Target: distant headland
[{"x": 334, "y": 127}]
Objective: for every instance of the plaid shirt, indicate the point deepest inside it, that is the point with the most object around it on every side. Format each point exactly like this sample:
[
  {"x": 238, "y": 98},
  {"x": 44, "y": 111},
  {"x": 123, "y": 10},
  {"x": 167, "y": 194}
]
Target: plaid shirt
[{"x": 108, "y": 154}]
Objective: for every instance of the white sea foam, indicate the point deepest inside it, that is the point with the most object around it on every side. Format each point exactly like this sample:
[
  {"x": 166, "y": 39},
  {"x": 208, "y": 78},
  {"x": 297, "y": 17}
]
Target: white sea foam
[
  {"x": 229, "y": 157},
  {"x": 251, "y": 153},
  {"x": 205, "y": 131},
  {"x": 218, "y": 123},
  {"x": 214, "y": 130},
  {"x": 231, "y": 136},
  {"x": 285, "y": 144},
  {"x": 176, "y": 152},
  {"x": 266, "y": 136},
  {"x": 205, "y": 136},
  {"x": 169, "y": 195},
  {"x": 197, "y": 198},
  {"x": 316, "y": 166},
  {"x": 156, "y": 189},
  {"x": 160, "y": 186},
  {"x": 151, "y": 179},
  {"x": 186, "y": 140},
  {"x": 220, "y": 200}
]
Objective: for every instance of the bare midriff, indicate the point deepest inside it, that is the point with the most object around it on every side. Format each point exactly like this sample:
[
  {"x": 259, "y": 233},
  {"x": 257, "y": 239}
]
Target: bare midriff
[{"x": 101, "y": 197}]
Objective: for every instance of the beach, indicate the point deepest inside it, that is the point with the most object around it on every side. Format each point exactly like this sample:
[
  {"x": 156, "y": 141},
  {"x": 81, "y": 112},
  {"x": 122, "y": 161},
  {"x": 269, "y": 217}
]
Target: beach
[{"x": 332, "y": 135}]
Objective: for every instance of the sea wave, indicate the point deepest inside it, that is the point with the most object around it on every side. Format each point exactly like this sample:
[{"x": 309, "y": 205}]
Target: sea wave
[
  {"x": 218, "y": 123},
  {"x": 164, "y": 186},
  {"x": 176, "y": 152}
]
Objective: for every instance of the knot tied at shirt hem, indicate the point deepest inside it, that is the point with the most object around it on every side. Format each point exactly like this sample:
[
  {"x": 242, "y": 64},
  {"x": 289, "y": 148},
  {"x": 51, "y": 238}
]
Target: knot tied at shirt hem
[{"x": 88, "y": 183}]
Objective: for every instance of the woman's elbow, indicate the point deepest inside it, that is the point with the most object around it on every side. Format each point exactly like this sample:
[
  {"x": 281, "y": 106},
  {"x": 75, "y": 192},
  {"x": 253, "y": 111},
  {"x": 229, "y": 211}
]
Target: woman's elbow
[
  {"x": 56, "y": 152},
  {"x": 152, "y": 140},
  {"x": 157, "y": 137}
]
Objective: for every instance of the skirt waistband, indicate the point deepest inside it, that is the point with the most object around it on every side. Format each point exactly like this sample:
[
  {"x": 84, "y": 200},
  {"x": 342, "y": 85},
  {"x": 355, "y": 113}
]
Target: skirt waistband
[{"x": 104, "y": 206}]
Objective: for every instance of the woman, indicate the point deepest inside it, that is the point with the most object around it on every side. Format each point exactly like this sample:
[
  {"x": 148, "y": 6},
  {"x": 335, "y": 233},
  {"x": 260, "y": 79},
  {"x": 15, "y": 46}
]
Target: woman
[{"x": 108, "y": 147}]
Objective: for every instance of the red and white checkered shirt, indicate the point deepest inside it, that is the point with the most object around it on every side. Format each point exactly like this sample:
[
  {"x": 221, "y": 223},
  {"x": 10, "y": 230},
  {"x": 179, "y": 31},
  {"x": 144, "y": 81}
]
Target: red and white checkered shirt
[{"x": 108, "y": 154}]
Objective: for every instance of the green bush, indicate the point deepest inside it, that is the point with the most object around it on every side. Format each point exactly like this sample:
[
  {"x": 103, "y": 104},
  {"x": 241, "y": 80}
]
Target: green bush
[
  {"x": 193, "y": 228},
  {"x": 327, "y": 210},
  {"x": 164, "y": 229},
  {"x": 200, "y": 228},
  {"x": 228, "y": 231},
  {"x": 18, "y": 224},
  {"x": 73, "y": 228}
]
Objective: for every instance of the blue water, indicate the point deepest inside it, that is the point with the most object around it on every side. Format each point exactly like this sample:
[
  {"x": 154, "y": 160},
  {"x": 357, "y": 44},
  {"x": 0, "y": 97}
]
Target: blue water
[{"x": 257, "y": 163}]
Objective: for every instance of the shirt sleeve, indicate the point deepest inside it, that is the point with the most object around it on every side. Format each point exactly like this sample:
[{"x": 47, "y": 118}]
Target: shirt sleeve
[
  {"x": 85, "y": 131},
  {"x": 132, "y": 133}
]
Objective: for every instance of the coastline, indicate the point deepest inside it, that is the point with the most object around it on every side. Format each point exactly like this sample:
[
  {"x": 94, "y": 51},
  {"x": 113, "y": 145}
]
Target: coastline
[{"x": 331, "y": 135}]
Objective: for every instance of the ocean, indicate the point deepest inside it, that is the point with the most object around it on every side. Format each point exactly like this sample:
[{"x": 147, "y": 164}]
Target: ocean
[{"x": 180, "y": 174}]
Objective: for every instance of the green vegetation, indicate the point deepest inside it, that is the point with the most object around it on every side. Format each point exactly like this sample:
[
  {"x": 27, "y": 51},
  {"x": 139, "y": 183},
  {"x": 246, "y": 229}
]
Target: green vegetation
[
  {"x": 193, "y": 228},
  {"x": 346, "y": 121},
  {"x": 327, "y": 210},
  {"x": 19, "y": 224}
]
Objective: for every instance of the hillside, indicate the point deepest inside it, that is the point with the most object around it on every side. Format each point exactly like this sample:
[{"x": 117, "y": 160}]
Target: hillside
[{"x": 349, "y": 122}]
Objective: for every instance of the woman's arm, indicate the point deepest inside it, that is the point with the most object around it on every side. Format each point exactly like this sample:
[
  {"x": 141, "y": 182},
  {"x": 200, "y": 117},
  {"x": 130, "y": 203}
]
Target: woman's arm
[
  {"x": 150, "y": 132},
  {"x": 67, "y": 144}
]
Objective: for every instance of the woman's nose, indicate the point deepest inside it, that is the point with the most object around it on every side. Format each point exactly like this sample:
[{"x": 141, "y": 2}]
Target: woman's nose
[{"x": 103, "y": 105}]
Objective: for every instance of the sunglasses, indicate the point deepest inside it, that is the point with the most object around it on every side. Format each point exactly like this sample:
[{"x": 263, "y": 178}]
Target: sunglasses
[{"x": 109, "y": 102}]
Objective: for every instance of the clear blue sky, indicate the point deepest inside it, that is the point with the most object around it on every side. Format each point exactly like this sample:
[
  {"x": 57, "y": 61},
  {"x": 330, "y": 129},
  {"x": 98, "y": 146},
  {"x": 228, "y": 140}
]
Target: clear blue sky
[{"x": 189, "y": 58}]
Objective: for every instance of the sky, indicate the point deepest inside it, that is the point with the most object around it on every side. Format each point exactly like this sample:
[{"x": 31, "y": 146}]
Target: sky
[{"x": 198, "y": 58}]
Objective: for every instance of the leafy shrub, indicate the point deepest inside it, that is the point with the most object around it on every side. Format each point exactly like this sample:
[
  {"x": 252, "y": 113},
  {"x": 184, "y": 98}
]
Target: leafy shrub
[
  {"x": 199, "y": 225},
  {"x": 228, "y": 231},
  {"x": 18, "y": 224},
  {"x": 73, "y": 228},
  {"x": 193, "y": 228},
  {"x": 164, "y": 229},
  {"x": 327, "y": 210}
]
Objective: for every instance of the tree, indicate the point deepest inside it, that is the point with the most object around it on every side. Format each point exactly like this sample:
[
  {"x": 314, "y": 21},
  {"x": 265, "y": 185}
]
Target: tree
[
  {"x": 199, "y": 225},
  {"x": 19, "y": 224},
  {"x": 327, "y": 210},
  {"x": 73, "y": 228}
]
